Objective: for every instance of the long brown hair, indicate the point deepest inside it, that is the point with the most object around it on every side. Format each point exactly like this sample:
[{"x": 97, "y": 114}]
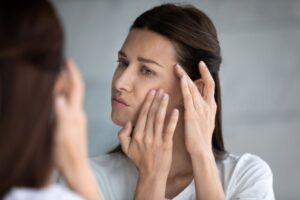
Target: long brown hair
[
  {"x": 31, "y": 46},
  {"x": 195, "y": 39}
]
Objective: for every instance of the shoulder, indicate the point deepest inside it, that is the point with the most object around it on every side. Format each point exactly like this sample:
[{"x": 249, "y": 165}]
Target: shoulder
[
  {"x": 116, "y": 175},
  {"x": 246, "y": 162},
  {"x": 50, "y": 193},
  {"x": 251, "y": 167},
  {"x": 247, "y": 175}
]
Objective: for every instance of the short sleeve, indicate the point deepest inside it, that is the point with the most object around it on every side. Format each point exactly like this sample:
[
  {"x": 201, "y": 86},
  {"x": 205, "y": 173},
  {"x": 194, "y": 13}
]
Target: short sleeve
[{"x": 252, "y": 179}]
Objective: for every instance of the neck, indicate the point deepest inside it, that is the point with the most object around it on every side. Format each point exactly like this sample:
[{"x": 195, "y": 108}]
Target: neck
[{"x": 181, "y": 161}]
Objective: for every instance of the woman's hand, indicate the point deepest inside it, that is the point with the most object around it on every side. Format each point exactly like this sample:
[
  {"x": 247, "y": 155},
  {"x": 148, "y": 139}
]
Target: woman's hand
[
  {"x": 199, "y": 121},
  {"x": 149, "y": 145},
  {"x": 70, "y": 149},
  {"x": 70, "y": 146},
  {"x": 199, "y": 110}
]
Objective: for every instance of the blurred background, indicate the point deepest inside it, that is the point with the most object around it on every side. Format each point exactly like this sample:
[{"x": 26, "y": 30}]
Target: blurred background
[{"x": 260, "y": 43}]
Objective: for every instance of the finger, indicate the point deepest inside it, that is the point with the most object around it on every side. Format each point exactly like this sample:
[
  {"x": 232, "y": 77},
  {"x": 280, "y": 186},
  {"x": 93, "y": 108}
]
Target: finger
[
  {"x": 160, "y": 117},
  {"x": 171, "y": 126},
  {"x": 149, "y": 128},
  {"x": 60, "y": 107},
  {"x": 60, "y": 112},
  {"x": 187, "y": 96},
  {"x": 179, "y": 71},
  {"x": 76, "y": 86},
  {"x": 141, "y": 121},
  {"x": 193, "y": 90},
  {"x": 197, "y": 98},
  {"x": 209, "y": 84},
  {"x": 125, "y": 137}
]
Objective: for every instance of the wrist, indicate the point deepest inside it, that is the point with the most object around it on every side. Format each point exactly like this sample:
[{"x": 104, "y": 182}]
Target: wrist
[
  {"x": 203, "y": 156},
  {"x": 150, "y": 186},
  {"x": 153, "y": 177}
]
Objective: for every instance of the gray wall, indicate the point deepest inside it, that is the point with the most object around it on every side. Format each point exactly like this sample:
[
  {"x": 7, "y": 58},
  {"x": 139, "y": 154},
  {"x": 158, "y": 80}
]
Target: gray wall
[{"x": 261, "y": 52}]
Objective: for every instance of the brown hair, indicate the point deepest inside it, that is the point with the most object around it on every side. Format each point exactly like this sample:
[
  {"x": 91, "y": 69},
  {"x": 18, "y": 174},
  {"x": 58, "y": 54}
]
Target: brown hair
[
  {"x": 31, "y": 46},
  {"x": 195, "y": 39}
]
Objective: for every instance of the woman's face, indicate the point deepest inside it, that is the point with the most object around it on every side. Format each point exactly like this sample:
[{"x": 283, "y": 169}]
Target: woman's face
[{"x": 146, "y": 61}]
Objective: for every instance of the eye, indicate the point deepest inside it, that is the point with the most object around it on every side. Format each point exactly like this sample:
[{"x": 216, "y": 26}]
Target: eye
[
  {"x": 122, "y": 63},
  {"x": 146, "y": 71}
]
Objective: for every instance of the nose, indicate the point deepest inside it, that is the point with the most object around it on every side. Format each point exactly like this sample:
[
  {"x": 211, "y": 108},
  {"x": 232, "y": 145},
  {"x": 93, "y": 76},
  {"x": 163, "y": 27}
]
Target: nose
[{"x": 123, "y": 80}]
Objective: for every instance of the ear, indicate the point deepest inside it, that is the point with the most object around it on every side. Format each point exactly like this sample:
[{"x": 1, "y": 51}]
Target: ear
[{"x": 200, "y": 85}]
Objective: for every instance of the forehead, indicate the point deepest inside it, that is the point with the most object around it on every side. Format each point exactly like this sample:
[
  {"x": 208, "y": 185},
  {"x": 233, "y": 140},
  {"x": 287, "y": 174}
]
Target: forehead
[{"x": 145, "y": 43}]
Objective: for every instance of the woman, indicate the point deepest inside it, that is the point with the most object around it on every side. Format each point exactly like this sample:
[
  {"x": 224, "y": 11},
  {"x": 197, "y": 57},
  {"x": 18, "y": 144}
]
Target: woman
[
  {"x": 160, "y": 73},
  {"x": 42, "y": 123}
]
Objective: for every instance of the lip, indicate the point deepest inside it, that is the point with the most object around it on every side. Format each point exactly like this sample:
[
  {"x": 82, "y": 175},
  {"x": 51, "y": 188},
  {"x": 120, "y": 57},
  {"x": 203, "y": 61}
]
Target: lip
[{"x": 119, "y": 103}]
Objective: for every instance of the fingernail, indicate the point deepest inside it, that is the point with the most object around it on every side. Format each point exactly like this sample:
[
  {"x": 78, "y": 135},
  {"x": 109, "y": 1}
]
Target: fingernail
[
  {"x": 176, "y": 111},
  {"x": 165, "y": 96},
  {"x": 59, "y": 101},
  {"x": 201, "y": 64},
  {"x": 152, "y": 92},
  {"x": 179, "y": 67}
]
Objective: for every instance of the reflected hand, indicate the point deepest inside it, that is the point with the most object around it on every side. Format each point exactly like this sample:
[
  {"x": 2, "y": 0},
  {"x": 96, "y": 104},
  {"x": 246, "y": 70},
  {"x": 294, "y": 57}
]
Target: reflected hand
[
  {"x": 70, "y": 150},
  {"x": 70, "y": 132}
]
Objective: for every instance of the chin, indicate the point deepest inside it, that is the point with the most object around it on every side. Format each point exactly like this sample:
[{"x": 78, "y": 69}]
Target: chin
[
  {"x": 121, "y": 119},
  {"x": 118, "y": 122}
]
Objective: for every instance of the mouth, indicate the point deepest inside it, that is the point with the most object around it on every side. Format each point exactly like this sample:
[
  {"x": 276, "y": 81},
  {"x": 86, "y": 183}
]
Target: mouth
[{"x": 119, "y": 103}]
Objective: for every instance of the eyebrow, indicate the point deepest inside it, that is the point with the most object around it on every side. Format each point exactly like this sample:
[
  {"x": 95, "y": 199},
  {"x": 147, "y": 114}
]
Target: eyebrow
[{"x": 141, "y": 59}]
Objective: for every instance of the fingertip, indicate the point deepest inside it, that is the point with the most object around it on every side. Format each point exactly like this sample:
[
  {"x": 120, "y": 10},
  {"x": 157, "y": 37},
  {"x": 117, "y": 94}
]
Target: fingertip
[
  {"x": 70, "y": 64},
  {"x": 128, "y": 125},
  {"x": 202, "y": 66},
  {"x": 70, "y": 60},
  {"x": 152, "y": 92},
  {"x": 60, "y": 101},
  {"x": 179, "y": 70},
  {"x": 201, "y": 63},
  {"x": 126, "y": 130},
  {"x": 176, "y": 112},
  {"x": 165, "y": 97}
]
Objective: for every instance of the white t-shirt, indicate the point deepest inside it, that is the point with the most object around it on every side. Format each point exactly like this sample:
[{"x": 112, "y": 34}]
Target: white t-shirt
[
  {"x": 245, "y": 177},
  {"x": 53, "y": 192}
]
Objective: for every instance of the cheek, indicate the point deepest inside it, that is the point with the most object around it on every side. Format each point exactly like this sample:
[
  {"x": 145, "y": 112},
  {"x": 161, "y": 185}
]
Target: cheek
[
  {"x": 140, "y": 98},
  {"x": 136, "y": 98},
  {"x": 174, "y": 102},
  {"x": 174, "y": 91}
]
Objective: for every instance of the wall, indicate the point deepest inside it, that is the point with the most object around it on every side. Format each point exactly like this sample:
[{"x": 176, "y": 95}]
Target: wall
[{"x": 260, "y": 74}]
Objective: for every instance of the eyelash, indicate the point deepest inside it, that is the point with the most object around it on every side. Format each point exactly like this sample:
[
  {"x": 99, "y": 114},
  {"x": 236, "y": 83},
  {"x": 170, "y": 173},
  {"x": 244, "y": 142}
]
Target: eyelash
[
  {"x": 122, "y": 62},
  {"x": 145, "y": 70}
]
